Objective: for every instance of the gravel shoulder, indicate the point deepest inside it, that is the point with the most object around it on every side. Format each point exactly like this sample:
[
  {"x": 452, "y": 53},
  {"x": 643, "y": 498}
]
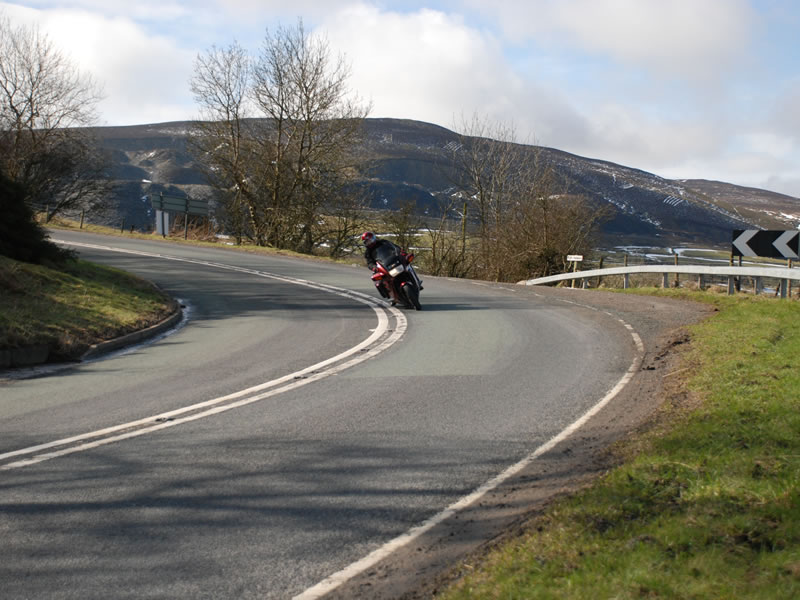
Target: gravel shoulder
[{"x": 425, "y": 566}]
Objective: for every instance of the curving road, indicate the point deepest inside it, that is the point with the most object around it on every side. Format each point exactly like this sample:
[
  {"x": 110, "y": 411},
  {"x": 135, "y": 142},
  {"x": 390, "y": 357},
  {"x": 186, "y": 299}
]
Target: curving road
[{"x": 288, "y": 430}]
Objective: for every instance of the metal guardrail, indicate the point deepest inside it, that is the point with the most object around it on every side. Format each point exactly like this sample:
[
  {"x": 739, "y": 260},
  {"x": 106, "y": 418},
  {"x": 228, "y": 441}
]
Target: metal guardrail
[{"x": 783, "y": 274}]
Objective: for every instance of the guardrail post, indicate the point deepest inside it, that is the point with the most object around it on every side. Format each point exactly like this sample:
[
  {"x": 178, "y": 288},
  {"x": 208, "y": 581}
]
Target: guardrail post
[
  {"x": 731, "y": 285},
  {"x": 758, "y": 286},
  {"x": 701, "y": 282},
  {"x": 677, "y": 275},
  {"x": 597, "y": 284},
  {"x": 784, "y": 287},
  {"x": 665, "y": 280},
  {"x": 626, "y": 281}
]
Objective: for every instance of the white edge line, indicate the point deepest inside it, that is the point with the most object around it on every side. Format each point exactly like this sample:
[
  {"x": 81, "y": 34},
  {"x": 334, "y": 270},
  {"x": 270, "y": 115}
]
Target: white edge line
[
  {"x": 330, "y": 583},
  {"x": 381, "y": 328}
]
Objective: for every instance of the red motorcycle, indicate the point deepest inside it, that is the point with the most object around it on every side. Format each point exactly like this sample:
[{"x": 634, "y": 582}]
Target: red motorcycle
[{"x": 395, "y": 277}]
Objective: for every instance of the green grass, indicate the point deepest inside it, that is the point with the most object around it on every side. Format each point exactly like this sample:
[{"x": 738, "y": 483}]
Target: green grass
[
  {"x": 709, "y": 507},
  {"x": 73, "y": 306}
]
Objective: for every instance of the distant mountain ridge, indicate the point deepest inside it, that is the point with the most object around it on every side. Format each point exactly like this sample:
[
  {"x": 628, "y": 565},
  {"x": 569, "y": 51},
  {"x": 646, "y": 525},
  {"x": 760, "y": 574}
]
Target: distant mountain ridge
[{"x": 400, "y": 161}]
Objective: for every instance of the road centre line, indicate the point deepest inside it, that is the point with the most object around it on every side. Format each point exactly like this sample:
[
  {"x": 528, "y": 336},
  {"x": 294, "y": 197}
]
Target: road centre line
[{"x": 381, "y": 338}]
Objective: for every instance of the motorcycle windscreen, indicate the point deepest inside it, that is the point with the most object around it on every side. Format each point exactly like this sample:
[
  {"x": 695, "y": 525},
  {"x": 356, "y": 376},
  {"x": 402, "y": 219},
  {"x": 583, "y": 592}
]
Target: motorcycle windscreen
[{"x": 385, "y": 255}]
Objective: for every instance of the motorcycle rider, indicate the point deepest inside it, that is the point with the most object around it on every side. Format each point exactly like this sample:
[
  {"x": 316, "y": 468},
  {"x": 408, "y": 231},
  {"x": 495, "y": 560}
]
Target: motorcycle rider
[{"x": 372, "y": 243}]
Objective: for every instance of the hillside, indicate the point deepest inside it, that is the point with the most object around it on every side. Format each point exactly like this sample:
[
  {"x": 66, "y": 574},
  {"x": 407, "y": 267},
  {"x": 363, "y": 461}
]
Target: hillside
[
  {"x": 767, "y": 210},
  {"x": 403, "y": 160}
]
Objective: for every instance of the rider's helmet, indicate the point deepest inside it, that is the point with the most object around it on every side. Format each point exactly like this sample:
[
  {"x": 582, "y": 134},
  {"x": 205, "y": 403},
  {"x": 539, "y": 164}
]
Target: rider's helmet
[{"x": 369, "y": 239}]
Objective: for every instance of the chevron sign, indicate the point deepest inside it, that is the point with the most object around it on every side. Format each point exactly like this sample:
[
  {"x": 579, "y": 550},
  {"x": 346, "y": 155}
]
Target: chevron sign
[{"x": 766, "y": 243}]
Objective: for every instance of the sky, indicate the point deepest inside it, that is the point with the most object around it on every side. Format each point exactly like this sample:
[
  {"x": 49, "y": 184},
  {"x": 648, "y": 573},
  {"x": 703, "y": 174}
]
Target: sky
[{"x": 705, "y": 89}]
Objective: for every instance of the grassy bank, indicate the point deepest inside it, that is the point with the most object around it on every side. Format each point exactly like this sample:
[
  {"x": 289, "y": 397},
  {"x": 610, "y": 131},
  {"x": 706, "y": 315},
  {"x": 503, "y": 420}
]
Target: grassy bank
[
  {"x": 74, "y": 306},
  {"x": 710, "y": 505}
]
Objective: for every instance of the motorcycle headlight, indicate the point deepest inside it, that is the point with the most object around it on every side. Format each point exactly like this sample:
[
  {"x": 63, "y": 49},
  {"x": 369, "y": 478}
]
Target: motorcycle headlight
[{"x": 396, "y": 270}]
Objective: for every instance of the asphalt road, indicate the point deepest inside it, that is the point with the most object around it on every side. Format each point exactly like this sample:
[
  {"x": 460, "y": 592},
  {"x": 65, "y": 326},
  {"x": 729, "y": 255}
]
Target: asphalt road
[{"x": 278, "y": 477}]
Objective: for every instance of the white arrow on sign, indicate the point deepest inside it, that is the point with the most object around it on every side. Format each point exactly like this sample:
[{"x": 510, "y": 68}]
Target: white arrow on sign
[
  {"x": 741, "y": 242},
  {"x": 782, "y": 244}
]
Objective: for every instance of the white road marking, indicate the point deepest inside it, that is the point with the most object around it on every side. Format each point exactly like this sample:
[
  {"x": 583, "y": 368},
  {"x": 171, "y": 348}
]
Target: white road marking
[
  {"x": 354, "y": 569},
  {"x": 335, "y": 364},
  {"x": 330, "y": 583}
]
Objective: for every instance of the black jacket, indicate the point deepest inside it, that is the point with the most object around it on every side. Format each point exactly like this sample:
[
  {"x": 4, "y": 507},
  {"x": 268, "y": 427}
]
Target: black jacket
[{"x": 369, "y": 253}]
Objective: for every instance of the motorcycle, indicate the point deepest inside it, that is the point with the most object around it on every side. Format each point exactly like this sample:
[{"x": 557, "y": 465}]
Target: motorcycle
[{"x": 395, "y": 277}]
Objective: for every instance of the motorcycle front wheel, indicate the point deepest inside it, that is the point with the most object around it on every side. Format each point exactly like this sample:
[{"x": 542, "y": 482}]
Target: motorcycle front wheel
[{"x": 412, "y": 293}]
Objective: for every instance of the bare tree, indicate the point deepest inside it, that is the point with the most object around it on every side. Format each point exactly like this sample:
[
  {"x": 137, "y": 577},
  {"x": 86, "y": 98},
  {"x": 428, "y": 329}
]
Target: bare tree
[
  {"x": 547, "y": 223},
  {"x": 278, "y": 133},
  {"x": 402, "y": 223},
  {"x": 304, "y": 93},
  {"x": 341, "y": 227},
  {"x": 448, "y": 256},
  {"x": 527, "y": 221},
  {"x": 224, "y": 140},
  {"x": 45, "y": 104},
  {"x": 488, "y": 164}
]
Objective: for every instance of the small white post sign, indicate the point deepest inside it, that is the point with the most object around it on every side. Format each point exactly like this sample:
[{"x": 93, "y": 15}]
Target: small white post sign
[
  {"x": 162, "y": 222},
  {"x": 574, "y": 259}
]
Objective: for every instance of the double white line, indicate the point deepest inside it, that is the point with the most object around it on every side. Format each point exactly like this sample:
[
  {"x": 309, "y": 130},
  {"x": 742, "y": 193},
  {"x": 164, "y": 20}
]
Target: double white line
[{"x": 381, "y": 338}]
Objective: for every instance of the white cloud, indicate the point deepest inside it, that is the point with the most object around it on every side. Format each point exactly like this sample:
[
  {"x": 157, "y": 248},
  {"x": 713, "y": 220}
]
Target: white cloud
[
  {"x": 432, "y": 66},
  {"x": 669, "y": 87},
  {"x": 423, "y": 65},
  {"x": 308, "y": 9},
  {"x": 767, "y": 142},
  {"x": 783, "y": 184},
  {"x": 784, "y": 116},
  {"x": 142, "y": 9},
  {"x": 144, "y": 77},
  {"x": 680, "y": 38}
]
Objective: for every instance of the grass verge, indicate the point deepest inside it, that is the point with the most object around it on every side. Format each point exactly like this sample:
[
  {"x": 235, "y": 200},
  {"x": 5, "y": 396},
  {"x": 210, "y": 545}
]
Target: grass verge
[
  {"x": 709, "y": 507},
  {"x": 74, "y": 306},
  {"x": 59, "y": 223}
]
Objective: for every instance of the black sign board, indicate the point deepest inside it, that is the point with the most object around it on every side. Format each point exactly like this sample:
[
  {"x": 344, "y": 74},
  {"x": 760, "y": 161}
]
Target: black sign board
[
  {"x": 766, "y": 243},
  {"x": 178, "y": 204}
]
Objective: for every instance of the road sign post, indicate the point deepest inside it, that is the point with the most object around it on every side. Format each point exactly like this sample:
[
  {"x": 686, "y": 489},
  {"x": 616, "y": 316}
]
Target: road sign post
[
  {"x": 574, "y": 259},
  {"x": 176, "y": 204},
  {"x": 162, "y": 222}
]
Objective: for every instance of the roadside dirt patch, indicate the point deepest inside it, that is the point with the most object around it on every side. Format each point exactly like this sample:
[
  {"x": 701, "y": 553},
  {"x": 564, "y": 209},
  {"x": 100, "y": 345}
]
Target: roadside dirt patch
[{"x": 448, "y": 551}]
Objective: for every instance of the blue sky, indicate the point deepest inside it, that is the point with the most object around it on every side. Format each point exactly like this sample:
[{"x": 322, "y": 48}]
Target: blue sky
[{"x": 681, "y": 88}]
